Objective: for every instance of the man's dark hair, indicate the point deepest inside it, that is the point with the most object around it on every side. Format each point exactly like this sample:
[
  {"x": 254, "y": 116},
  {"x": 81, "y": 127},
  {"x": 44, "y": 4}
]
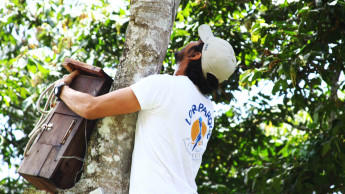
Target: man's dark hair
[{"x": 195, "y": 74}]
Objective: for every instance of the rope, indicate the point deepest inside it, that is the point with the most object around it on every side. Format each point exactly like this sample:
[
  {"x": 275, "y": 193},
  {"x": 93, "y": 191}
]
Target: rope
[
  {"x": 71, "y": 157},
  {"x": 39, "y": 128}
]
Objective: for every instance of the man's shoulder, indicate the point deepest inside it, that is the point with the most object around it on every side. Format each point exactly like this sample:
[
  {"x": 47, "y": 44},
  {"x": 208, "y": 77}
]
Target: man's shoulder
[
  {"x": 166, "y": 77},
  {"x": 165, "y": 80},
  {"x": 154, "y": 80},
  {"x": 160, "y": 76}
]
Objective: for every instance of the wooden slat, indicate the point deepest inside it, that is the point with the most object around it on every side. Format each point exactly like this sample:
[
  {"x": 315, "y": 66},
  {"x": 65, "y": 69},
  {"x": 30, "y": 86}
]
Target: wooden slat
[
  {"x": 61, "y": 124},
  {"x": 41, "y": 183},
  {"x": 68, "y": 170},
  {"x": 84, "y": 68},
  {"x": 32, "y": 164},
  {"x": 50, "y": 165},
  {"x": 88, "y": 84}
]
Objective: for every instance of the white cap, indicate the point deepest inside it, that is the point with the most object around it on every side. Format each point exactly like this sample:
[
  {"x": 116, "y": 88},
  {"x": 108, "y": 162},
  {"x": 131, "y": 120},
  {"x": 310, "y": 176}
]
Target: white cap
[{"x": 217, "y": 56}]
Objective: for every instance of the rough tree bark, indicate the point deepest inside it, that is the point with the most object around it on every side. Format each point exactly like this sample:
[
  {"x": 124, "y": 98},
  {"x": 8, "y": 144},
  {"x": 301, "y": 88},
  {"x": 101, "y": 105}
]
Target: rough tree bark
[{"x": 109, "y": 153}]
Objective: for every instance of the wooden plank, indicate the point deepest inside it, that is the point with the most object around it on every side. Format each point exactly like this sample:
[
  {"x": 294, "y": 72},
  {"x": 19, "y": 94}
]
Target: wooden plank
[
  {"x": 41, "y": 183},
  {"x": 72, "y": 65},
  {"x": 69, "y": 166},
  {"x": 61, "y": 124},
  {"x": 32, "y": 164},
  {"x": 50, "y": 165},
  {"x": 88, "y": 84},
  {"x": 85, "y": 69},
  {"x": 62, "y": 108}
]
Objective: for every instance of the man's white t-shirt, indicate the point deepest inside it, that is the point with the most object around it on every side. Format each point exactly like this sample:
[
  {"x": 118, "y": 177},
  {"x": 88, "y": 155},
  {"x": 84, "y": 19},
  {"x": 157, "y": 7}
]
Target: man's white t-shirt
[{"x": 173, "y": 128}]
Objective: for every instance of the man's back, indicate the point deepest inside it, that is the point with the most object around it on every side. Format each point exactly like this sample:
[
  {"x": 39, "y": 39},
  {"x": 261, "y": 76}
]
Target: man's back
[{"x": 173, "y": 128}]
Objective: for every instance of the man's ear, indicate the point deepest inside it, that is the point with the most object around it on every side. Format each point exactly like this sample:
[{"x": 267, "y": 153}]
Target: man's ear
[{"x": 194, "y": 56}]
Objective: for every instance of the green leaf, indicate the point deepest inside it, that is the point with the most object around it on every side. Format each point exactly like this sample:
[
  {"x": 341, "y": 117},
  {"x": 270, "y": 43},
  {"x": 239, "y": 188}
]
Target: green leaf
[
  {"x": 303, "y": 10},
  {"x": 230, "y": 113},
  {"x": 263, "y": 39},
  {"x": 7, "y": 100},
  {"x": 326, "y": 147},
  {"x": 23, "y": 92},
  {"x": 245, "y": 76},
  {"x": 42, "y": 69},
  {"x": 292, "y": 33},
  {"x": 257, "y": 75},
  {"x": 251, "y": 173},
  {"x": 122, "y": 12},
  {"x": 276, "y": 87},
  {"x": 31, "y": 66},
  {"x": 179, "y": 32},
  {"x": 255, "y": 37}
]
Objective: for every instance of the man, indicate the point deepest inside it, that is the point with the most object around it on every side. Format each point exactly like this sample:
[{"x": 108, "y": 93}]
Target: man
[{"x": 175, "y": 119}]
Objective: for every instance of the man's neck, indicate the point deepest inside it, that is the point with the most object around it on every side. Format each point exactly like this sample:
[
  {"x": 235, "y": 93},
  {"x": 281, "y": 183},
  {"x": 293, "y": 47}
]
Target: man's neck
[{"x": 181, "y": 68}]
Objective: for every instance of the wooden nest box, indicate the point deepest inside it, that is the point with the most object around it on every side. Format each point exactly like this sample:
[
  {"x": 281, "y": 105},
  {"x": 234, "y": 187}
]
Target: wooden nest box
[{"x": 55, "y": 158}]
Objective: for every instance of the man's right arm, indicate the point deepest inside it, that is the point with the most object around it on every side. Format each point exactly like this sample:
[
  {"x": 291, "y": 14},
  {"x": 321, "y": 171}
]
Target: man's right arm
[{"x": 122, "y": 101}]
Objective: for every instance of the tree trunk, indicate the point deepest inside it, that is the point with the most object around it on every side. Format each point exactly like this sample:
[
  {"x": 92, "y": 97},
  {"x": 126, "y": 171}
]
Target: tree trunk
[{"x": 109, "y": 152}]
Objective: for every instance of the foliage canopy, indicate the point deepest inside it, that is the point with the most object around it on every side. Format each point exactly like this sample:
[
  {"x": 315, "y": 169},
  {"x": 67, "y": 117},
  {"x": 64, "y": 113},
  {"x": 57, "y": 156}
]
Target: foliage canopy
[{"x": 288, "y": 135}]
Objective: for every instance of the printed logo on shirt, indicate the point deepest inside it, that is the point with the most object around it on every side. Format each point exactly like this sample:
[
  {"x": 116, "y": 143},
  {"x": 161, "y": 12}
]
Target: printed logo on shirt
[{"x": 201, "y": 124}]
